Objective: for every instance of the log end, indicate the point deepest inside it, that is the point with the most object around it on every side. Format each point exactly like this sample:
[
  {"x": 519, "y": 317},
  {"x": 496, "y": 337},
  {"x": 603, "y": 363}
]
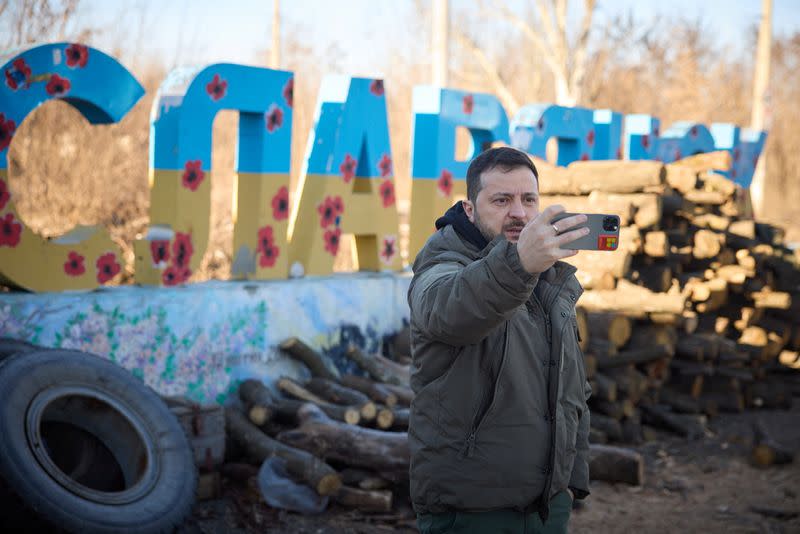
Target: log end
[
  {"x": 369, "y": 411},
  {"x": 352, "y": 416},
  {"x": 329, "y": 484},
  {"x": 385, "y": 419},
  {"x": 259, "y": 415}
]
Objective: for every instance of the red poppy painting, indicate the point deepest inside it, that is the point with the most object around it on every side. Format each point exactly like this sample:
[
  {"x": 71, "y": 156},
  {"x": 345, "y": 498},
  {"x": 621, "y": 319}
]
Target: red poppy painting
[
  {"x": 57, "y": 86},
  {"x": 74, "y": 265},
  {"x": 273, "y": 118},
  {"x": 386, "y": 191},
  {"x": 182, "y": 249},
  {"x": 160, "y": 251},
  {"x": 288, "y": 92},
  {"x": 590, "y": 138},
  {"x": 376, "y": 87},
  {"x": 77, "y": 55},
  {"x": 107, "y": 267},
  {"x": 445, "y": 183},
  {"x": 385, "y": 165},
  {"x": 328, "y": 210},
  {"x": 4, "y": 194},
  {"x": 280, "y": 204},
  {"x": 348, "y": 168},
  {"x": 7, "y": 129},
  {"x": 193, "y": 174},
  {"x": 267, "y": 251},
  {"x": 646, "y": 141},
  {"x": 584, "y": 157},
  {"x": 18, "y": 74},
  {"x": 10, "y": 231},
  {"x": 217, "y": 88},
  {"x": 678, "y": 155},
  {"x": 389, "y": 249},
  {"x": 332, "y": 238},
  {"x": 174, "y": 275},
  {"x": 467, "y": 103}
]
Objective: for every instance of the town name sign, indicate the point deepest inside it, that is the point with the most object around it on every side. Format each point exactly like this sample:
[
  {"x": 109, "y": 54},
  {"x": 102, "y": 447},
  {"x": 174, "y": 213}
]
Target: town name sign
[{"x": 347, "y": 184}]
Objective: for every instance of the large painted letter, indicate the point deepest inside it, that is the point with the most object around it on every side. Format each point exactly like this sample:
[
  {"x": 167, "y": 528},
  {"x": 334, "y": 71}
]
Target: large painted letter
[
  {"x": 608, "y": 134},
  {"x": 684, "y": 138},
  {"x": 348, "y": 182},
  {"x": 103, "y": 91},
  {"x": 535, "y": 124},
  {"x": 745, "y": 146},
  {"x": 180, "y": 165},
  {"x": 641, "y": 136},
  {"x": 437, "y": 178}
]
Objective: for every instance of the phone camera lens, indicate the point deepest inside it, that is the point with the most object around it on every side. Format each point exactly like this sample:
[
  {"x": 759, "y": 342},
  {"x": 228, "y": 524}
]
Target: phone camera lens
[{"x": 610, "y": 224}]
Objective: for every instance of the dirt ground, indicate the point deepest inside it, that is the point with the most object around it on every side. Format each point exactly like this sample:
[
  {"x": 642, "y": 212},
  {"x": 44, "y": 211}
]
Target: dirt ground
[{"x": 704, "y": 486}]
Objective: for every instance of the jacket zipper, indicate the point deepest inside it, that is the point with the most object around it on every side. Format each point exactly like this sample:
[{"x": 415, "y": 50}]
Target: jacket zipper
[{"x": 469, "y": 444}]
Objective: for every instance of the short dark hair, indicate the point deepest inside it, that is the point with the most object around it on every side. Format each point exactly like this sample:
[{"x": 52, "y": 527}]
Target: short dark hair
[{"x": 505, "y": 157}]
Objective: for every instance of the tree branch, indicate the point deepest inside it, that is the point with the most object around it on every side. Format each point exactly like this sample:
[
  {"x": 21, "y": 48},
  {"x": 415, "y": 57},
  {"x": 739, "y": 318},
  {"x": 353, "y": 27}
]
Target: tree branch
[{"x": 579, "y": 54}]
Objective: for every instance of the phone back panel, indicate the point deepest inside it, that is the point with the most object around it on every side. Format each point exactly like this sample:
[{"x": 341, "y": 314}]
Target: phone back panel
[{"x": 602, "y": 234}]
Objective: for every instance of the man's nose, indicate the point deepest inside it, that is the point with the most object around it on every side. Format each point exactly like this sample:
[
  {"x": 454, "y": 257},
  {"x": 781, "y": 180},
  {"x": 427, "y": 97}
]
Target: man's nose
[{"x": 516, "y": 210}]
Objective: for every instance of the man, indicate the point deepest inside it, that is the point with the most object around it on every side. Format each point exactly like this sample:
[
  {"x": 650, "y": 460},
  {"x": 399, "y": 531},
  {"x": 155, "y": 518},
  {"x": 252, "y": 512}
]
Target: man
[{"x": 499, "y": 424}]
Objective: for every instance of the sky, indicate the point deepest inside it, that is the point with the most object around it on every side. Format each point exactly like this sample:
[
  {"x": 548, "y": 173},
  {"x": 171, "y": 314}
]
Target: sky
[{"x": 361, "y": 33}]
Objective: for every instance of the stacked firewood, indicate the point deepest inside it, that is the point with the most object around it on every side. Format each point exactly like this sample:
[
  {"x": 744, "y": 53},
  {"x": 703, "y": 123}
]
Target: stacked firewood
[
  {"x": 343, "y": 435},
  {"x": 697, "y": 311}
]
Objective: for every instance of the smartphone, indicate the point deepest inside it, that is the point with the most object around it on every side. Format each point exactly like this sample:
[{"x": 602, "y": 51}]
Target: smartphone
[{"x": 603, "y": 232}]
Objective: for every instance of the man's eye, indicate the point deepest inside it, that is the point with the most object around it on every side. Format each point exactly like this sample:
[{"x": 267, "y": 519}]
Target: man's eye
[{"x": 500, "y": 201}]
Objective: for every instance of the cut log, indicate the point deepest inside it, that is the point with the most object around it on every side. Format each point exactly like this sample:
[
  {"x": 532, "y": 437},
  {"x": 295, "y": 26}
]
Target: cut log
[
  {"x": 385, "y": 419},
  {"x": 685, "y": 425},
  {"x": 630, "y": 239},
  {"x": 401, "y": 342},
  {"x": 287, "y": 410},
  {"x": 680, "y": 177},
  {"x": 635, "y": 356},
  {"x": 719, "y": 160},
  {"x": 656, "y": 244},
  {"x": 632, "y": 300},
  {"x": 355, "y": 446},
  {"x": 616, "y": 410},
  {"x": 401, "y": 416},
  {"x": 629, "y": 381},
  {"x": 339, "y": 394},
  {"x": 373, "y": 390},
  {"x": 616, "y": 464},
  {"x": 302, "y": 465},
  {"x": 611, "y": 326},
  {"x": 365, "y": 500},
  {"x": 766, "y": 451},
  {"x": 399, "y": 371},
  {"x": 369, "y": 363},
  {"x": 645, "y": 334},
  {"x": 601, "y": 348},
  {"x": 607, "y": 425},
  {"x": 313, "y": 360},
  {"x": 773, "y": 299},
  {"x": 617, "y": 263},
  {"x": 258, "y": 399},
  {"x": 404, "y": 394},
  {"x": 697, "y": 347},
  {"x": 707, "y": 244},
  {"x": 363, "y": 479},
  {"x": 618, "y": 177},
  {"x": 679, "y": 402},
  {"x": 656, "y": 277},
  {"x": 604, "y": 388}
]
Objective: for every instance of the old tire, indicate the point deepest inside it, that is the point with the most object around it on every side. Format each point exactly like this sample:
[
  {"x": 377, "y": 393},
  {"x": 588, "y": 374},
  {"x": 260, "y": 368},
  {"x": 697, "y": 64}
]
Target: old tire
[
  {"x": 9, "y": 346},
  {"x": 89, "y": 447}
]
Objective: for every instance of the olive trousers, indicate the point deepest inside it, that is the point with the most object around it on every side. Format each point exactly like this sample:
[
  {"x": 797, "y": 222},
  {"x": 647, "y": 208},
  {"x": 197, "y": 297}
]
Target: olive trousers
[{"x": 500, "y": 521}]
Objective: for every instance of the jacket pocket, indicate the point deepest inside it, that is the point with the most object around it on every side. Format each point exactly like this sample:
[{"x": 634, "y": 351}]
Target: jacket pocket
[{"x": 487, "y": 403}]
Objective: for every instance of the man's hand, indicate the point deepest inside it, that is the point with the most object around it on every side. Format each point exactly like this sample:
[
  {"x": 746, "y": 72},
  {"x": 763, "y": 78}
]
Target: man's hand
[{"x": 539, "y": 247}]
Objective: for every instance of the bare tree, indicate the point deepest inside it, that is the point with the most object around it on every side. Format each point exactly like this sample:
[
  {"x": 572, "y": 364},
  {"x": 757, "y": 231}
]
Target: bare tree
[
  {"x": 760, "y": 82},
  {"x": 29, "y": 21},
  {"x": 566, "y": 61}
]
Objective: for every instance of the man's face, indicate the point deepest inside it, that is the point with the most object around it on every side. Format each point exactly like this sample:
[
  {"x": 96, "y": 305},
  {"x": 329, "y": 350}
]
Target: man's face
[{"x": 506, "y": 202}]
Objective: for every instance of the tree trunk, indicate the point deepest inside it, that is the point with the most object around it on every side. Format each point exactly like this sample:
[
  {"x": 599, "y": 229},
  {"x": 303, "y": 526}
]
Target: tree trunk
[
  {"x": 374, "y": 391},
  {"x": 365, "y": 500},
  {"x": 355, "y": 446},
  {"x": 339, "y": 394},
  {"x": 616, "y": 464},
  {"x": 300, "y": 464},
  {"x": 371, "y": 365},
  {"x": 611, "y": 326},
  {"x": 258, "y": 399},
  {"x": 313, "y": 360}
]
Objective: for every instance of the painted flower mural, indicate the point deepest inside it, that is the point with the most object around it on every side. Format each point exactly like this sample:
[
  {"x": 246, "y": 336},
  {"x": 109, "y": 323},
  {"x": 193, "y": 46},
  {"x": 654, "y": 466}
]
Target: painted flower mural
[
  {"x": 376, "y": 87},
  {"x": 386, "y": 192},
  {"x": 332, "y": 238},
  {"x": 385, "y": 165},
  {"x": 467, "y": 104},
  {"x": 74, "y": 265},
  {"x": 288, "y": 92},
  {"x": 280, "y": 204},
  {"x": 77, "y": 55},
  {"x": 159, "y": 251},
  {"x": 57, "y": 86},
  {"x": 217, "y": 88},
  {"x": 389, "y": 249},
  {"x": 7, "y": 129},
  {"x": 267, "y": 251},
  {"x": 273, "y": 118},
  {"x": 107, "y": 267},
  {"x": 10, "y": 231},
  {"x": 18, "y": 75},
  {"x": 4, "y": 194},
  {"x": 329, "y": 209},
  {"x": 445, "y": 183},
  {"x": 193, "y": 175},
  {"x": 348, "y": 168},
  {"x": 182, "y": 249}
]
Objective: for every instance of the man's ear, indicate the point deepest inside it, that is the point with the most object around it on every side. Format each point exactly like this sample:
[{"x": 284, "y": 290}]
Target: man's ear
[{"x": 469, "y": 209}]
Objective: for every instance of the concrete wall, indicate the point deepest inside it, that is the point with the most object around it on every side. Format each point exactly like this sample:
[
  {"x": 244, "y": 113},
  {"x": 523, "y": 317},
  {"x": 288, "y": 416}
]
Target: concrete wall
[{"x": 199, "y": 340}]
